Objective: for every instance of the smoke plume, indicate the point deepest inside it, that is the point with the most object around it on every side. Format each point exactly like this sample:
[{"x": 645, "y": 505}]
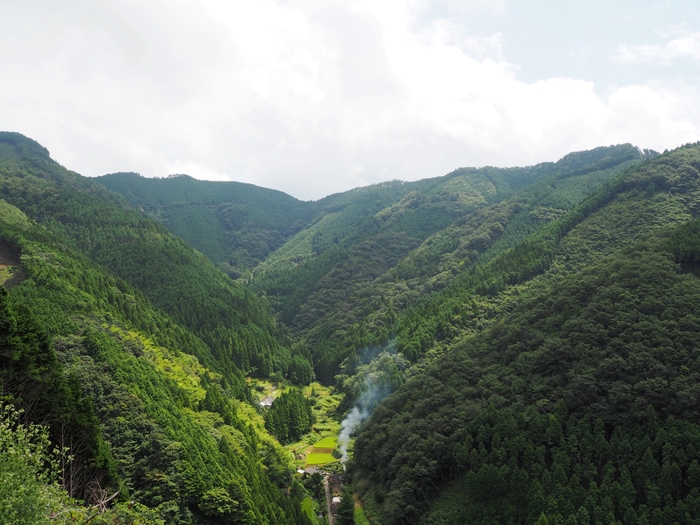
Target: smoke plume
[
  {"x": 373, "y": 375},
  {"x": 363, "y": 408}
]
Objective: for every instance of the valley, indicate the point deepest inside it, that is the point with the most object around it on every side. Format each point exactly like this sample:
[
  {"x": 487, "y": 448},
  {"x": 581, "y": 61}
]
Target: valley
[{"x": 495, "y": 345}]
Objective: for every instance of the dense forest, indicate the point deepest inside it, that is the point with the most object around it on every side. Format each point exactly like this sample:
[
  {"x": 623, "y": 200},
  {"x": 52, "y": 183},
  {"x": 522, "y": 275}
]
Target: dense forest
[
  {"x": 575, "y": 402},
  {"x": 126, "y": 347},
  {"x": 522, "y": 342}
]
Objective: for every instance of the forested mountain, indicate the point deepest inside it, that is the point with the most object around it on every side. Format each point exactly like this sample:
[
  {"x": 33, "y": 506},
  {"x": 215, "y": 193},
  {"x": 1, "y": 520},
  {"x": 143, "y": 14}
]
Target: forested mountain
[
  {"x": 533, "y": 329},
  {"x": 236, "y": 225},
  {"x": 578, "y": 404},
  {"x": 352, "y": 295},
  {"x": 128, "y": 345},
  {"x": 363, "y": 256}
]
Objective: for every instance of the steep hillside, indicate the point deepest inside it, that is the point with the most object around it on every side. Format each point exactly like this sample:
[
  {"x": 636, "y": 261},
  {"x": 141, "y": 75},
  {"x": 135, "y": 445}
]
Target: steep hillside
[
  {"x": 349, "y": 296},
  {"x": 577, "y": 402},
  {"x": 150, "y": 410},
  {"x": 364, "y": 256},
  {"x": 536, "y": 326},
  {"x": 236, "y": 225},
  {"x": 235, "y": 324}
]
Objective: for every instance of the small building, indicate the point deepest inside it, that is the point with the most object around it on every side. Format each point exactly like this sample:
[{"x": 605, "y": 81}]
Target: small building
[
  {"x": 337, "y": 479},
  {"x": 335, "y": 501},
  {"x": 267, "y": 401}
]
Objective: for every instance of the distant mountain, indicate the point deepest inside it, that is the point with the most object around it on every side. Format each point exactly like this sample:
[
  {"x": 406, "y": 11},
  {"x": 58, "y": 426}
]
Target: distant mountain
[
  {"x": 397, "y": 244},
  {"x": 240, "y": 225},
  {"x": 236, "y": 225},
  {"x": 369, "y": 252}
]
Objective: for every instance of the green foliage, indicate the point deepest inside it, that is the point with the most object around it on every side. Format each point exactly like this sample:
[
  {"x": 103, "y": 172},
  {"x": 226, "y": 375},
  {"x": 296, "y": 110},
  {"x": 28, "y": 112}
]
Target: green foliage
[
  {"x": 314, "y": 484},
  {"x": 684, "y": 244},
  {"x": 300, "y": 371},
  {"x": 349, "y": 295},
  {"x": 32, "y": 378},
  {"x": 630, "y": 205},
  {"x": 29, "y": 492},
  {"x": 346, "y": 509},
  {"x": 543, "y": 358},
  {"x": 87, "y": 353},
  {"x": 233, "y": 322},
  {"x": 555, "y": 398},
  {"x": 236, "y": 225},
  {"x": 289, "y": 417},
  {"x": 28, "y": 469}
]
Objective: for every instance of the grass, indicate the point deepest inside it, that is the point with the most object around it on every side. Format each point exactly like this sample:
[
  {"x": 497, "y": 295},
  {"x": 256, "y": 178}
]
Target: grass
[
  {"x": 360, "y": 518},
  {"x": 310, "y": 507},
  {"x": 307, "y": 507},
  {"x": 6, "y": 272},
  {"x": 326, "y": 427},
  {"x": 319, "y": 459},
  {"x": 327, "y": 442}
]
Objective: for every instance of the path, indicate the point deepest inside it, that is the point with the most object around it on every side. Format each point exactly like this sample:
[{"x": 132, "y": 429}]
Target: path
[{"x": 329, "y": 503}]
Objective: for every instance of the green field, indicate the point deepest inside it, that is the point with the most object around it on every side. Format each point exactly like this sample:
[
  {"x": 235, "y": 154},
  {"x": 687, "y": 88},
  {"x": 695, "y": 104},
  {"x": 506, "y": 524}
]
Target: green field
[
  {"x": 307, "y": 506},
  {"x": 327, "y": 442},
  {"x": 319, "y": 459},
  {"x": 360, "y": 518}
]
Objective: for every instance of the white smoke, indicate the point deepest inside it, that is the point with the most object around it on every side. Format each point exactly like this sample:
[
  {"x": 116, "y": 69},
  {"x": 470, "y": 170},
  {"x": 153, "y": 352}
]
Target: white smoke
[
  {"x": 371, "y": 395},
  {"x": 354, "y": 418},
  {"x": 373, "y": 377}
]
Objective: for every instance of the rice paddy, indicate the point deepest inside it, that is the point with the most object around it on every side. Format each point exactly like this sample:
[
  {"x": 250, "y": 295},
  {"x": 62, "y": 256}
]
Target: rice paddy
[{"x": 315, "y": 459}]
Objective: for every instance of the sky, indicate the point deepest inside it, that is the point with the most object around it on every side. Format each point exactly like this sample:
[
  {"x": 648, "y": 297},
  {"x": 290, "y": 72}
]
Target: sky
[{"x": 314, "y": 97}]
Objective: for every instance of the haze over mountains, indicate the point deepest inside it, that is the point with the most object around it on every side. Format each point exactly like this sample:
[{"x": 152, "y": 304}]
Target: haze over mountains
[{"x": 528, "y": 338}]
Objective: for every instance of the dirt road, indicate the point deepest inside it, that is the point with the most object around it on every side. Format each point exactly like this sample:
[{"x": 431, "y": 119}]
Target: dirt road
[{"x": 329, "y": 503}]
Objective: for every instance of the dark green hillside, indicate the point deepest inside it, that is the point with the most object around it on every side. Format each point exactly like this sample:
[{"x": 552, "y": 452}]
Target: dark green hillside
[
  {"x": 362, "y": 256},
  {"x": 348, "y": 297},
  {"x": 236, "y": 225},
  {"x": 537, "y": 327},
  {"x": 117, "y": 383},
  {"x": 660, "y": 193},
  {"x": 581, "y": 403},
  {"x": 235, "y": 324},
  {"x": 125, "y": 342}
]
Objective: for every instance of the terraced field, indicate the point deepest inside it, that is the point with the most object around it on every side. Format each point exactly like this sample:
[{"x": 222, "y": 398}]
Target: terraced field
[{"x": 322, "y": 452}]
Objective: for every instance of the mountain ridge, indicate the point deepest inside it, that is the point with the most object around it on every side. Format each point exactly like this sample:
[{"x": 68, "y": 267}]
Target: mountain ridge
[{"x": 533, "y": 330}]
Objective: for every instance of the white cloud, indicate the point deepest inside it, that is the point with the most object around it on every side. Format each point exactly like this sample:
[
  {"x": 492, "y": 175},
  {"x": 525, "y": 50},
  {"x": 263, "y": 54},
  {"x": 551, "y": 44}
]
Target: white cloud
[
  {"x": 686, "y": 46},
  {"x": 307, "y": 96}
]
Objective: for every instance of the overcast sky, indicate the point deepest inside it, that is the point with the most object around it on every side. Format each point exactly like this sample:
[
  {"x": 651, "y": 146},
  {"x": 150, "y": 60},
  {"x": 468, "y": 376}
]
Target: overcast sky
[{"x": 317, "y": 96}]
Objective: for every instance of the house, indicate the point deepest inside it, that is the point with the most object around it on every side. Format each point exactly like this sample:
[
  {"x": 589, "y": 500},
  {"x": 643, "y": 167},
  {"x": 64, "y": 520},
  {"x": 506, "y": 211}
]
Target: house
[{"x": 267, "y": 401}]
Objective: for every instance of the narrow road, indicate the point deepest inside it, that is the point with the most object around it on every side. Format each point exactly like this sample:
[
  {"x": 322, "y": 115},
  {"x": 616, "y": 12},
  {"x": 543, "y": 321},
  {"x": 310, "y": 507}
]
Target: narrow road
[{"x": 329, "y": 503}]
